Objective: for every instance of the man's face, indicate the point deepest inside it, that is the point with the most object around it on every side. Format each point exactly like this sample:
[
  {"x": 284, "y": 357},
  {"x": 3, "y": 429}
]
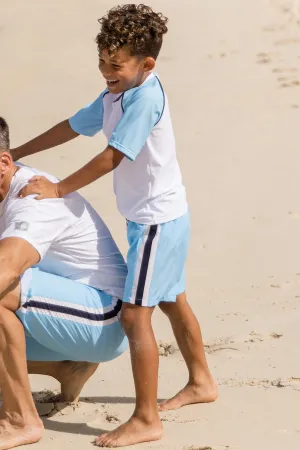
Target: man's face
[
  {"x": 123, "y": 71},
  {"x": 6, "y": 170}
]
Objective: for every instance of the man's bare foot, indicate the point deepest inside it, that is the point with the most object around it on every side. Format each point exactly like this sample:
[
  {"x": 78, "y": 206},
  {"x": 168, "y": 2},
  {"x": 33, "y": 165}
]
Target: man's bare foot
[
  {"x": 73, "y": 376},
  {"x": 134, "y": 431},
  {"x": 190, "y": 394},
  {"x": 15, "y": 431}
]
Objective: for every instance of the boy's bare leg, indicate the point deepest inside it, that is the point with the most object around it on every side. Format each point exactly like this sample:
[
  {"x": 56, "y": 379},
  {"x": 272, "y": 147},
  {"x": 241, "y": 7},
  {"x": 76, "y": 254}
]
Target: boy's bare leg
[
  {"x": 71, "y": 375},
  {"x": 145, "y": 423},
  {"x": 19, "y": 420},
  {"x": 201, "y": 387}
]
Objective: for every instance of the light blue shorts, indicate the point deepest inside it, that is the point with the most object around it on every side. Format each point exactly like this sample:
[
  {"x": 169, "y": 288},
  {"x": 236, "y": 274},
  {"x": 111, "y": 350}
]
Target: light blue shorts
[
  {"x": 67, "y": 320},
  {"x": 156, "y": 260}
]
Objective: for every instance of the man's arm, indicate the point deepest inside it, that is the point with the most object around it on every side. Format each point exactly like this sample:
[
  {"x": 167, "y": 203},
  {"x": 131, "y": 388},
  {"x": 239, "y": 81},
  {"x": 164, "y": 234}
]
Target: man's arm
[
  {"x": 16, "y": 255},
  {"x": 59, "y": 134}
]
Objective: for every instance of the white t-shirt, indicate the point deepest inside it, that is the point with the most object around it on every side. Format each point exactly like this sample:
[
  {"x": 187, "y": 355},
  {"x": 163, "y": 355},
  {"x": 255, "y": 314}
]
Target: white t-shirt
[
  {"x": 147, "y": 183},
  {"x": 69, "y": 235}
]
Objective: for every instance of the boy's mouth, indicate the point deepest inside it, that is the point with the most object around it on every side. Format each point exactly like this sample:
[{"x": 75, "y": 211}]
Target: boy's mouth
[{"x": 112, "y": 82}]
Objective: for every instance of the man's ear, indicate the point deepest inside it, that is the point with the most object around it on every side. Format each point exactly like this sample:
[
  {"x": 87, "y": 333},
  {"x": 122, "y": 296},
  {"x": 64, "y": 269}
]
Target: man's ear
[
  {"x": 149, "y": 64},
  {"x": 6, "y": 161}
]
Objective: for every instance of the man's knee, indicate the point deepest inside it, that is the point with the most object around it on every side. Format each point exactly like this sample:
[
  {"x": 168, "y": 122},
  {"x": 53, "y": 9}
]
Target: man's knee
[
  {"x": 5, "y": 316},
  {"x": 10, "y": 299}
]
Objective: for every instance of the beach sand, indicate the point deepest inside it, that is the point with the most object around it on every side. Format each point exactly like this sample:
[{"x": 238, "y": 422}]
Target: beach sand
[{"x": 231, "y": 71}]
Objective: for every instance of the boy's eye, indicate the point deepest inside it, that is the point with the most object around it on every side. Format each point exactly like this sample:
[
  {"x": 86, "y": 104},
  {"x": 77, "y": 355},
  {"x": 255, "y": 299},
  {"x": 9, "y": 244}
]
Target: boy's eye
[{"x": 115, "y": 66}]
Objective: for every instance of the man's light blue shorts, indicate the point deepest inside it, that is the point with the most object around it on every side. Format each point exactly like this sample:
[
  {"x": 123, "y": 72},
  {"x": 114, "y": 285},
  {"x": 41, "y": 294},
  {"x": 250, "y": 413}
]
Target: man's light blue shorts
[
  {"x": 156, "y": 260},
  {"x": 67, "y": 320}
]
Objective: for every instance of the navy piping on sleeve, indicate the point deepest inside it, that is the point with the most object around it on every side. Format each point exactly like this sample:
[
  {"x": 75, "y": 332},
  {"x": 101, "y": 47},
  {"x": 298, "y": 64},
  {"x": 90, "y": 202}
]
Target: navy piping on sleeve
[
  {"x": 163, "y": 92},
  {"x": 122, "y": 101},
  {"x": 117, "y": 99}
]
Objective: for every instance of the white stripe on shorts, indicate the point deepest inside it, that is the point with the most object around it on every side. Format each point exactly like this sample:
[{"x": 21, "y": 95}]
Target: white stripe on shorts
[
  {"x": 151, "y": 262},
  {"x": 151, "y": 267}
]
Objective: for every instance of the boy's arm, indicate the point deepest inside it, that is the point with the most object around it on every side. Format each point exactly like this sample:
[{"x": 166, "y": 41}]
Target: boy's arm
[
  {"x": 59, "y": 134},
  {"x": 88, "y": 121},
  {"x": 102, "y": 164}
]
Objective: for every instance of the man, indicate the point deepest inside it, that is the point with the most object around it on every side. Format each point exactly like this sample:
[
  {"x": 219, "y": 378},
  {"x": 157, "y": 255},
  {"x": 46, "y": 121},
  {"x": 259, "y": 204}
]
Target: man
[{"x": 61, "y": 278}]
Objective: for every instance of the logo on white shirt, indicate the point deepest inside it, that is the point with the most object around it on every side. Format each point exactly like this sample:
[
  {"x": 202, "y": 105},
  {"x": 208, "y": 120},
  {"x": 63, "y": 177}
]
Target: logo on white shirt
[{"x": 22, "y": 226}]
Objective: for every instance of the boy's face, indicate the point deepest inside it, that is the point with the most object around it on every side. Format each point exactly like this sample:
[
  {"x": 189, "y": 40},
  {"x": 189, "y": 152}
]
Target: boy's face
[{"x": 122, "y": 71}]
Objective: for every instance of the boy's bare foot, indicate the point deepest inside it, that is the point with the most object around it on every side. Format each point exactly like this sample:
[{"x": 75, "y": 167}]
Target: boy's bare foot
[
  {"x": 134, "y": 431},
  {"x": 190, "y": 394},
  {"x": 14, "y": 431},
  {"x": 73, "y": 376}
]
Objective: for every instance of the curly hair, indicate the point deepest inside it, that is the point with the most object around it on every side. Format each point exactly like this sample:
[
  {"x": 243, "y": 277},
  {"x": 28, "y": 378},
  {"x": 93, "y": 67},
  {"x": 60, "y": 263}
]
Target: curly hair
[
  {"x": 137, "y": 27},
  {"x": 4, "y": 134}
]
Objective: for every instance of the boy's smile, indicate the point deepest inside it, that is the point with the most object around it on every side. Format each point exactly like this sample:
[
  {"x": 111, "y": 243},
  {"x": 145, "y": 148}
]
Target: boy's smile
[{"x": 122, "y": 71}]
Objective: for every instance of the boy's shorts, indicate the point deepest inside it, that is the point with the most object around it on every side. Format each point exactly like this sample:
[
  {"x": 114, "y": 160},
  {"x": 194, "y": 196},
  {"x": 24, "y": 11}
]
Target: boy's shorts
[
  {"x": 156, "y": 260},
  {"x": 67, "y": 320}
]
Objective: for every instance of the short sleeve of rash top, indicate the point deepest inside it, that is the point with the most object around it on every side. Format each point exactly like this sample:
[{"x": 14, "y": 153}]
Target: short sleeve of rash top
[
  {"x": 38, "y": 222},
  {"x": 142, "y": 109}
]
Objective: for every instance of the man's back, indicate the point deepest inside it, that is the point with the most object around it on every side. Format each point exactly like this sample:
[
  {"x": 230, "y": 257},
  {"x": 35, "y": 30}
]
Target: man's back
[{"x": 69, "y": 235}]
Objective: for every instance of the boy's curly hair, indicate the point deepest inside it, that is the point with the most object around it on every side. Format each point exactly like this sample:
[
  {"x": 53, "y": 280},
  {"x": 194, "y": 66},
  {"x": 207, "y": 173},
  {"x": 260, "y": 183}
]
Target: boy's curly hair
[
  {"x": 137, "y": 27},
  {"x": 4, "y": 134}
]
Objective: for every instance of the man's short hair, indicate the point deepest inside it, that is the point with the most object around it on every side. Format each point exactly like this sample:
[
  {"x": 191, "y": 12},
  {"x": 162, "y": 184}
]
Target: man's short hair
[{"x": 4, "y": 134}]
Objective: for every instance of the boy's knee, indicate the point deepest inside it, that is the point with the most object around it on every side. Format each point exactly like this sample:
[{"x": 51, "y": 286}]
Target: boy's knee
[
  {"x": 128, "y": 317},
  {"x": 134, "y": 317},
  {"x": 166, "y": 307}
]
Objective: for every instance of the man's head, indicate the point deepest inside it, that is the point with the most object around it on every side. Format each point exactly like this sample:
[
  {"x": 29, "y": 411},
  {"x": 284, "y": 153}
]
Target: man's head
[
  {"x": 7, "y": 167},
  {"x": 4, "y": 134},
  {"x": 129, "y": 43}
]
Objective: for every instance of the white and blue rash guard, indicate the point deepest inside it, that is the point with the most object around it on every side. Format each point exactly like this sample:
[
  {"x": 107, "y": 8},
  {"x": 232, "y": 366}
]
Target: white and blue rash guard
[{"x": 147, "y": 183}]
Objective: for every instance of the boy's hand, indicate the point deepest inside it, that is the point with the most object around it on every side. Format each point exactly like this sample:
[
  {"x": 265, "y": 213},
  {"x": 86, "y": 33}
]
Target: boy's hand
[{"x": 42, "y": 187}]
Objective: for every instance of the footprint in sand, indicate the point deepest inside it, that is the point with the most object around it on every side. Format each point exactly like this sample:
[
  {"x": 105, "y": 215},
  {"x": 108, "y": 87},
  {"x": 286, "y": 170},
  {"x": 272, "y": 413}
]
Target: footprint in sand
[
  {"x": 288, "y": 382},
  {"x": 219, "y": 447},
  {"x": 48, "y": 404},
  {"x": 220, "y": 345},
  {"x": 237, "y": 343},
  {"x": 111, "y": 417},
  {"x": 287, "y": 41},
  {"x": 291, "y": 8},
  {"x": 166, "y": 348},
  {"x": 290, "y": 83},
  {"x": 263, "y": 58},
  {"x": 290, "y": 70}
]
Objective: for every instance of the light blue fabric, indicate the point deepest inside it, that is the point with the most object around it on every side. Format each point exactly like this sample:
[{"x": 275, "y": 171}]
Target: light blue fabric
[
  {"x": 142, "y": 109},
  {"x": 89, "y": 120},
  {"x": 168, "y": 272},
  {"x": 65, "y": 320}
]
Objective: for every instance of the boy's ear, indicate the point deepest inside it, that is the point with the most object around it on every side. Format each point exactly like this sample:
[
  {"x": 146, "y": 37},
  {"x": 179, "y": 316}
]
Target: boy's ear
[{"x": 149, "y": 64}]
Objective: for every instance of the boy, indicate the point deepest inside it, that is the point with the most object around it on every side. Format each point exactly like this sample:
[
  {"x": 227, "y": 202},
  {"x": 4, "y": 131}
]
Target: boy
[{"x": 134, "y": 115}]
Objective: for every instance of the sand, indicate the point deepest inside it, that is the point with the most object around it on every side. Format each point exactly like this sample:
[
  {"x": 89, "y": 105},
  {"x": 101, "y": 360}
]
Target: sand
[{"x": 231, "y": 71}]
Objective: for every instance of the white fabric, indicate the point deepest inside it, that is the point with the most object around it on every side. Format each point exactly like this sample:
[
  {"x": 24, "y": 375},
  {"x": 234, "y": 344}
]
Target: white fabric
[{"x": 69, "y": 235}]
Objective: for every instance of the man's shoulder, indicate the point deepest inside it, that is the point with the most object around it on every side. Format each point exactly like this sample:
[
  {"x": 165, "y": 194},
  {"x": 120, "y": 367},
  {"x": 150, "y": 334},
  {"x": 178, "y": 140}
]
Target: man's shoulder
[
  {"x": 73, "y": 202},
  {"x": 25, "y": 173}
]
